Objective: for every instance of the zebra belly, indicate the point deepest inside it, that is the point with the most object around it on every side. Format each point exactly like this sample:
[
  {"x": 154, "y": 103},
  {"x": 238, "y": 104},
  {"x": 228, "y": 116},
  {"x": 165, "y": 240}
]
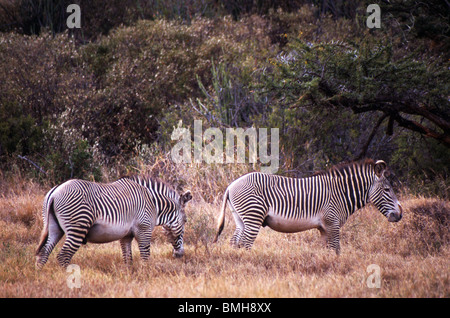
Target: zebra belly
[
  {"x": 281, "y": 224},
  {"x": 104, "y": 233}
]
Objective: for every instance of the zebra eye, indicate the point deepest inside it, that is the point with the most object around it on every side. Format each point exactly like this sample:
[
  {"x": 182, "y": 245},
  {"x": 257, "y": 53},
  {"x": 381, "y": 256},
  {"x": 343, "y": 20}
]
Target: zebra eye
[{"x": 387, "y": 189}]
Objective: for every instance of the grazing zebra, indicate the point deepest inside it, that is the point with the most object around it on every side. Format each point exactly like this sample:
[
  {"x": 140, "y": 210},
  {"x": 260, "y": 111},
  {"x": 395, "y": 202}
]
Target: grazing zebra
[
  {"x": 100, "y": 213},
  {"x": 323, "y": 201}
]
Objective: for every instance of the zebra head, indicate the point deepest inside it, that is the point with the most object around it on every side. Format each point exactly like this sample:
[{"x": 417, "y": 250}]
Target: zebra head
[
  {"x": 382, "y": 195},
  {"x": 175, "y": 229}
]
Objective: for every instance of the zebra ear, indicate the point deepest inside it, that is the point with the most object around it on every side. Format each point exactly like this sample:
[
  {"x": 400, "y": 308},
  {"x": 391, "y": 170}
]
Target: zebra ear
[
  {"x": 187, "y": 196},
  {"x": 380, "y": 168}
]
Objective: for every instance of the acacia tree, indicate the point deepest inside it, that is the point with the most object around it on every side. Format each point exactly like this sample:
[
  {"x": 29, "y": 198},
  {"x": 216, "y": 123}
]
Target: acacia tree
[{"x": 367, "y": 76}]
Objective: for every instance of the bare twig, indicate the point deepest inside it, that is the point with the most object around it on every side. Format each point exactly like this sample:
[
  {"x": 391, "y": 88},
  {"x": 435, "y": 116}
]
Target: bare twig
[{"x": 34, "y": 164}]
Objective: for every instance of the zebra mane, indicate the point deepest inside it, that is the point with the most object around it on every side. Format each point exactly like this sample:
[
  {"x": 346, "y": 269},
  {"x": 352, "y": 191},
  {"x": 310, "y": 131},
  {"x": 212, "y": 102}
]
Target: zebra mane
[
  {"x": 341, "y": 167},
  {"x": 155, "y": 184}
]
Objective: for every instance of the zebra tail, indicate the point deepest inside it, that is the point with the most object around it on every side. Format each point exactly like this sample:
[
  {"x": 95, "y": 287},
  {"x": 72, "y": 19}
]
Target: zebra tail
[{"x": 221, "y": 220}]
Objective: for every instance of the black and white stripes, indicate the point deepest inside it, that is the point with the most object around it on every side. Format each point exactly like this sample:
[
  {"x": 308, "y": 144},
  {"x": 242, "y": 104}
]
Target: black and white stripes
[
  {"x": 93, "y": 212},
  {"x": 323, "y": 201}
]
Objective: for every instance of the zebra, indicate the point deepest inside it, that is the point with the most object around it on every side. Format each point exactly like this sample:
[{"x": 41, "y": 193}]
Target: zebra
[
  {"x": 104, "y": 212},
  {"x": 323, "y": 201}
]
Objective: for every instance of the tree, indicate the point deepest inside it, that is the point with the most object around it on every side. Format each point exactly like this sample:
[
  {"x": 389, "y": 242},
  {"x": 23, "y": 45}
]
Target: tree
[{"x": 368, "y": 76}]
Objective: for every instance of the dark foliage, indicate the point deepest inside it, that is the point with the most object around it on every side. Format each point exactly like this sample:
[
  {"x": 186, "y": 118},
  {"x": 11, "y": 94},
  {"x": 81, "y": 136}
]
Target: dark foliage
[{"x": 72, "y": 101}]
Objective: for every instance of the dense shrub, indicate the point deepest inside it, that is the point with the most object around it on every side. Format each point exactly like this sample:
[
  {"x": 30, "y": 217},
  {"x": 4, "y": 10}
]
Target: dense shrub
[
  {"x": 77, "y": 103},
  {"x": 110, "y": 97}
]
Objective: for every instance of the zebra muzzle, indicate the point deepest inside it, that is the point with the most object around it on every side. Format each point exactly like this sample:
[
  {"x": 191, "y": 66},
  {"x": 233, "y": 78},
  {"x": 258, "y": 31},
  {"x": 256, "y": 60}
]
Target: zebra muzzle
[
  {"x": 397, "y": 215},
  {"x": 178, "y": 253}
]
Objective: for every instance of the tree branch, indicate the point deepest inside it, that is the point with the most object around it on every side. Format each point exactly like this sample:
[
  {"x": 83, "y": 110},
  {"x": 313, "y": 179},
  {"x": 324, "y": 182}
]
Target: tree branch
[
  {"x": 415, "y": 126},
  {"x": 391, "y": 106},
  {"x": 369, "y": 140},
  {"x": 34, "y": 164}
]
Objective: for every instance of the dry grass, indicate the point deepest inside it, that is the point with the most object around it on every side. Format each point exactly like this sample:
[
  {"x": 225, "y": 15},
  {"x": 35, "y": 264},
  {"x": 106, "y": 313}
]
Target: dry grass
[{"x": 413, "y": 256}]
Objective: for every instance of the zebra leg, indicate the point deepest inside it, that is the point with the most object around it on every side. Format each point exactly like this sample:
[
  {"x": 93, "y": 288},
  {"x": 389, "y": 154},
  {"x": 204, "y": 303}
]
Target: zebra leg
[
  {"x": 235, "y": 239},
  {"x": 125, "y": 244},
  {"x": 74, "y": 238},
  {"x": 143, "y": 236},
  {"x": 251, "y": 230},
  {"x": 55, "y": 233},
  {"x": 249, "y": 236},
  {"x": 332, "y": 236}
]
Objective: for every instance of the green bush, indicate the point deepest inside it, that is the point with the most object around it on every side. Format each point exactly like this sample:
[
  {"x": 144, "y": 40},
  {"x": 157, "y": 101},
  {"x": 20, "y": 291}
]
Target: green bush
[
  {"x": 109, "y": 95},
  {"x": 18, "y": 131}
]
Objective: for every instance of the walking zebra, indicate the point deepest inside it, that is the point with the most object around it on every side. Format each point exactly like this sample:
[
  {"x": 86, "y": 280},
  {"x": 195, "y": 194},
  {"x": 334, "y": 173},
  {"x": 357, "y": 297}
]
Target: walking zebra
[
  {"x": 100, "y": 213},
  {"x": 323, "y": 201}
]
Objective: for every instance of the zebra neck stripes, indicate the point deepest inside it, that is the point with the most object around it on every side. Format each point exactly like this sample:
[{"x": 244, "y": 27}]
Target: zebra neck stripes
[
  {"x": 165, "y": 199},
  {"x": 350, "y": 186}
]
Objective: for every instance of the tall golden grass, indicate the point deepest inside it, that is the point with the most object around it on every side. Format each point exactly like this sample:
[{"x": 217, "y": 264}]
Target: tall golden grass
[{"x": 412, "y": 255}]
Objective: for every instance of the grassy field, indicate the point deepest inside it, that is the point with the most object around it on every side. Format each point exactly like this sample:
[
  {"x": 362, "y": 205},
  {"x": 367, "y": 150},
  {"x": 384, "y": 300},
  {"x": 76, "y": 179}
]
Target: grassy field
[{"x": 412, "y": 257}]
